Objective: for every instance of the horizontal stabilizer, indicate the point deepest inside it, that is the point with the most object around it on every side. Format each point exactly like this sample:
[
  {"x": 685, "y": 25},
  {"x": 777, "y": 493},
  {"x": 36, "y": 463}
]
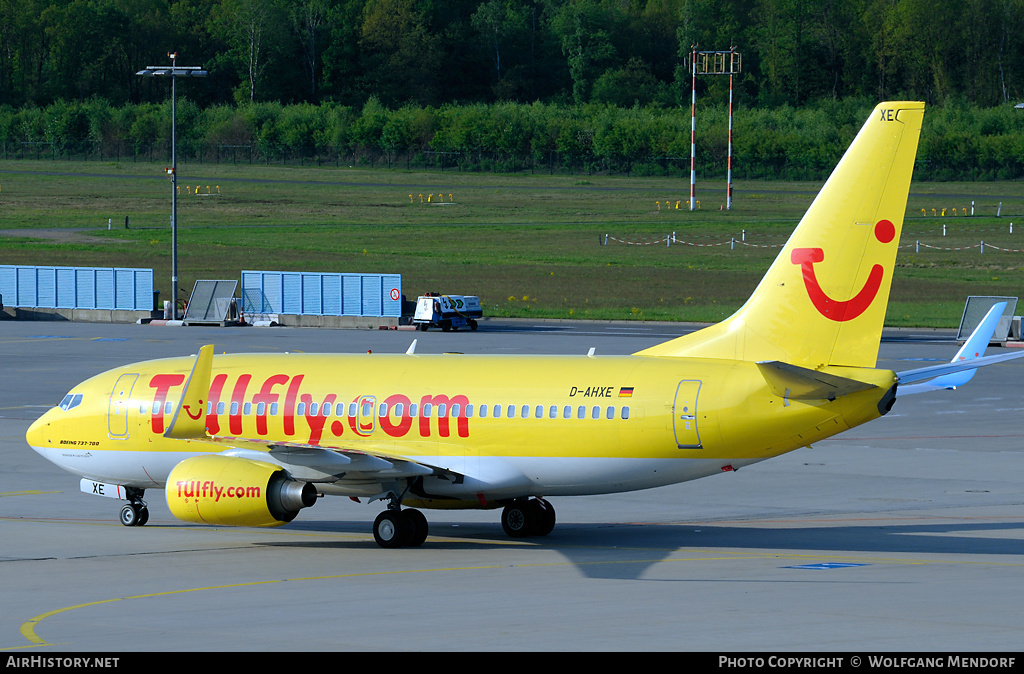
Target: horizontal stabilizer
[{"x": 799, "y": 383}]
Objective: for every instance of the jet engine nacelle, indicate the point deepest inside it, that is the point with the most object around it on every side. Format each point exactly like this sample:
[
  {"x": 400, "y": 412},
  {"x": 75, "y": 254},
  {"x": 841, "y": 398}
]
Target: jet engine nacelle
[{"x": 228, "y": 490}]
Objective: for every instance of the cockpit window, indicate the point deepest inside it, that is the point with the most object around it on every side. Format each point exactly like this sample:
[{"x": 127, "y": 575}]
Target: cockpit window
[{"x": 71, "y": 401}]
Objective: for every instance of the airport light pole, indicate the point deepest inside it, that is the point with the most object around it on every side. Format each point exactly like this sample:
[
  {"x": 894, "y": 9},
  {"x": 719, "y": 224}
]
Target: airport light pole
[{"x": 173, "y": 71}]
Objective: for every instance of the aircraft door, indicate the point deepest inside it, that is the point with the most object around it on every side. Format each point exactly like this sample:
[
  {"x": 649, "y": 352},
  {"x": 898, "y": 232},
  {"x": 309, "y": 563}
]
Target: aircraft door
[
  {"x": 120, "y": 404},
  {"x": 684, "y": 415}
]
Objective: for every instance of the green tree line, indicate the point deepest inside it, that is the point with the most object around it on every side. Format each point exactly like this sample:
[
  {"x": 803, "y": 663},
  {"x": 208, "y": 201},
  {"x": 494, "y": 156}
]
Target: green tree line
[
  {"x": 959, "y": 140},
  {"x": 430, "y": 53}
]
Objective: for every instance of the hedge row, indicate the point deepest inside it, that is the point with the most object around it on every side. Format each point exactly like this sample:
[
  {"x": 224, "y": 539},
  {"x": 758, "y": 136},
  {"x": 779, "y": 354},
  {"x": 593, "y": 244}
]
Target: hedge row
[{"x": 958, "y": 141}]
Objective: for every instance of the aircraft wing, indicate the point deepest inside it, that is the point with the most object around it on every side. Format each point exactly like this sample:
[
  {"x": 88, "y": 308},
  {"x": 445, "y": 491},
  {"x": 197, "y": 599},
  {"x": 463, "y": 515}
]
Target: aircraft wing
[
  {"x": 317, "y": 463},
  {"x": 949, "y": 368},
  {"x": 961, "y": 369}
]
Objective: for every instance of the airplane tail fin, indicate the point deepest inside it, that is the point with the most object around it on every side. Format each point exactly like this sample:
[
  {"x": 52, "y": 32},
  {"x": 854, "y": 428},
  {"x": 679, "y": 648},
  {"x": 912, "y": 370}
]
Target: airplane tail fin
[{"x": 824, "y": 298}]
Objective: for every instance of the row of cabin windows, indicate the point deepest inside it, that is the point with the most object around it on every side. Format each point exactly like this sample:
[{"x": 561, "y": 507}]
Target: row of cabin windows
[{"x": 495, "y": 411}]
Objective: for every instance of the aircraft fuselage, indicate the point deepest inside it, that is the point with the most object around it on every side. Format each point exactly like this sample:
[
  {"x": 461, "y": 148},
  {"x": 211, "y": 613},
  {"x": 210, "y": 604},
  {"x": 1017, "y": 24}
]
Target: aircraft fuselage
[{"x": 509, "y": 426}]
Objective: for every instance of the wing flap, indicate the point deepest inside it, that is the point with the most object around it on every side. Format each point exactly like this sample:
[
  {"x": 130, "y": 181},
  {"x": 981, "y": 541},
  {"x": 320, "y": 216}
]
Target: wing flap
[{"x": 316, "y": 463}]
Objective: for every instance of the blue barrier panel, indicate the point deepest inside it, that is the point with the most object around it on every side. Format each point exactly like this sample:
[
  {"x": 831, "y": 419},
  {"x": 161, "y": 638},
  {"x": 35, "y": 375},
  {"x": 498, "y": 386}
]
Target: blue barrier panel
[
  {"x": 291, "y": 294},
  {"x": 85, "y": 288},
  {"x": 76, "y": 287},
  {"x": 25, "y": 292},
  {"x": 351, "y": 295},
  {"x": 321, "y": 294},
  {"x": 66, "y": 286},
  {"x": 332, "y": 295}
]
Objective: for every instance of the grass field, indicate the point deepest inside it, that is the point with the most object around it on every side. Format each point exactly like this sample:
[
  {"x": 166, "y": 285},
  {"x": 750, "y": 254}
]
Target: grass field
[{"x": 528, "y": 245}]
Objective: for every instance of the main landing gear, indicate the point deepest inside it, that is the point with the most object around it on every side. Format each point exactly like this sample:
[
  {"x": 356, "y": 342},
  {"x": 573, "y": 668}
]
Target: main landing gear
[
  {"x": 136, "y": 512},
  {"x": 528, "y": 517},
  {"x": 395, "y": 528},
  {"x": 408, "y": 528}
]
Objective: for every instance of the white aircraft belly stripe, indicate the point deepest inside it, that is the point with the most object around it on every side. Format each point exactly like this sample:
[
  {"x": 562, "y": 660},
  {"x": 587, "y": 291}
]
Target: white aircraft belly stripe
[{"x": 494, "y": 476}]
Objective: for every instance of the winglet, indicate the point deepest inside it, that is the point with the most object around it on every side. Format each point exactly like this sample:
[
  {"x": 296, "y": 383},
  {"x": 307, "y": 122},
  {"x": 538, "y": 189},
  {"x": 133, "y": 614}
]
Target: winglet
[{"x": 190, "y": 415}]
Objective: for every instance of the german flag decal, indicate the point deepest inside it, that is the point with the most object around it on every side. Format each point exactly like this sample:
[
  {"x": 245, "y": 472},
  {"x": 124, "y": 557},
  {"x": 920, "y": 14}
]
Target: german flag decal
[{"x": 626, "y": 392}]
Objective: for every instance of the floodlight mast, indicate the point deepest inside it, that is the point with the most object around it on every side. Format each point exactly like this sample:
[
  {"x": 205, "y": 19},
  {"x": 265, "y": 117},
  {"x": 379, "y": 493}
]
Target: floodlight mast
[
  {"x": 712, "y": 63},
  {"x": 174, "y": 71}
]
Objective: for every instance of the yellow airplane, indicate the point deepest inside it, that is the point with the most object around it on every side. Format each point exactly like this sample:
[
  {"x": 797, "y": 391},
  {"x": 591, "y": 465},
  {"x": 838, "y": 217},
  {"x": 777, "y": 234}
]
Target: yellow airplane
[{"x": 251, "y": 439}]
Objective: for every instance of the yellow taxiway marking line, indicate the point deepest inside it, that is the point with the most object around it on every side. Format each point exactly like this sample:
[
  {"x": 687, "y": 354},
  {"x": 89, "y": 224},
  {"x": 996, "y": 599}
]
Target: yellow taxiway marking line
[
  {"x": 28, "y": 629},
  {"x": 29, "y": 492}
]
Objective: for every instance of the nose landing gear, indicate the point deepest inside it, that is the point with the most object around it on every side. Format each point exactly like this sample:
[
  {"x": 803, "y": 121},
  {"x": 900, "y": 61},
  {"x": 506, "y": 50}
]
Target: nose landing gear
[{"x": 136, "y": 512}]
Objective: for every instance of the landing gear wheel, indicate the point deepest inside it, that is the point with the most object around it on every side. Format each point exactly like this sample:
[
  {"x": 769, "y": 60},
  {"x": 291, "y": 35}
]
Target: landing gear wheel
[
  {"x": 133, "y": 515},
  {"x": 418, "y": 527},
  {"x": 517, "y": 519},
  {"x": 528, "y": 517},
  {"x": 136, "y": 512},
  {"x": 545, "y": 516},
  {"x": 391, "y": 530}
]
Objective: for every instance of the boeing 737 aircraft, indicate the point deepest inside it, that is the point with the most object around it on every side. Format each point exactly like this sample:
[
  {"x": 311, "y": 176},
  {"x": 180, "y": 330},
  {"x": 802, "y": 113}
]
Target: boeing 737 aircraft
[{"x": 252, "y": 439}]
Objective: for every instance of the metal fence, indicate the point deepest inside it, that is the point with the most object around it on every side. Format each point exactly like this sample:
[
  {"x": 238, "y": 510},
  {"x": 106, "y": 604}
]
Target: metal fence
[
  {"x": 321, "y": 294},
  {"x": 77, "y": 287}
]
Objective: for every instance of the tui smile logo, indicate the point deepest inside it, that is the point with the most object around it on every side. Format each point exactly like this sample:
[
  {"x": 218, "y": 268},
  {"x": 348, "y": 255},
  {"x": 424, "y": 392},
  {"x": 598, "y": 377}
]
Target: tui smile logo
[
  {"x": 198, "y": 414},
  {"x": 842, "y": 310}
]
